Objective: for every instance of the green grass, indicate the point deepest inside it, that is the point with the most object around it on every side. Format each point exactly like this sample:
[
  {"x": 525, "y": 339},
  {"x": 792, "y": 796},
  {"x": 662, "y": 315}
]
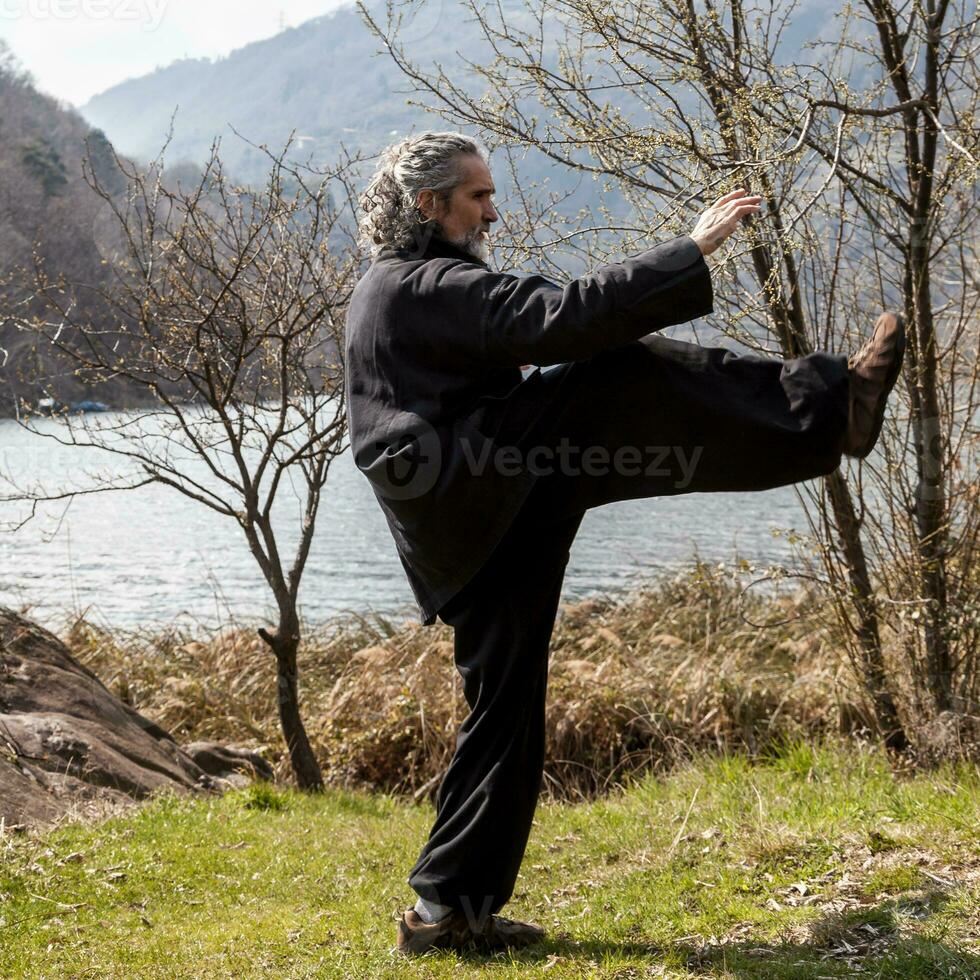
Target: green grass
[{"x": 813, "y": 863}]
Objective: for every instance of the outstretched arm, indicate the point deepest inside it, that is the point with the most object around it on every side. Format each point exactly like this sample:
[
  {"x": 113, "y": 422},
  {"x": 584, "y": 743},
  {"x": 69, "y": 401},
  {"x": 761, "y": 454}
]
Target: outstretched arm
[{"x": 531, "y": 320}]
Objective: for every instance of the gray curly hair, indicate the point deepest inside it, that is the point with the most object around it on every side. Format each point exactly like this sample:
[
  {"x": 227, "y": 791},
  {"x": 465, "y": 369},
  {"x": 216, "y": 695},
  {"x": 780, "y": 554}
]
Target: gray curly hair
[{"x": 390, "y": 216}]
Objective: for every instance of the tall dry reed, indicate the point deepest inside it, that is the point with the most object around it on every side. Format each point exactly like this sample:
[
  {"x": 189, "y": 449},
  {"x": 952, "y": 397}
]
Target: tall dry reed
[{"x": 695, "y": 661}]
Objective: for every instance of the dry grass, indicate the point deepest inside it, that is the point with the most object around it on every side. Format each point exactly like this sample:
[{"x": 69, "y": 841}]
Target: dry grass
[{"x": 685, "y": 665}]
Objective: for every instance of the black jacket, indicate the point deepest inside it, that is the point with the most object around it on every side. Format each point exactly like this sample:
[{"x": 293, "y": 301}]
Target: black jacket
[{"x": 434, "y": 345}]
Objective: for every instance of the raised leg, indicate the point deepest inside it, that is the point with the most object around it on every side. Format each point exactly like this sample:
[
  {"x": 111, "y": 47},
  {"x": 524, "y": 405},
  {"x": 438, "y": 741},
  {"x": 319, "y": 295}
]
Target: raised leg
[{"x": 661, "y": 417}]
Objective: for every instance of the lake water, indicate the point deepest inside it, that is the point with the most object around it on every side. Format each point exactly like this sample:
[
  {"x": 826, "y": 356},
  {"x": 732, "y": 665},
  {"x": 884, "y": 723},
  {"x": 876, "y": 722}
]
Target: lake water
[{"x": 151, "y": 556}]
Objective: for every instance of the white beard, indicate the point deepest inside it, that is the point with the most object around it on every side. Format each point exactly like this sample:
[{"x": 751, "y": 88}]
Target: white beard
[{"x": 476, "y": 243}]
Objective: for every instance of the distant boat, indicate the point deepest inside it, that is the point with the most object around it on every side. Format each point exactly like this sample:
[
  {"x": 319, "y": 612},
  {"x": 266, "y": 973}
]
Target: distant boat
[
  {"x": 87, "y": 406},
  {"x": 52, "y": 406}
]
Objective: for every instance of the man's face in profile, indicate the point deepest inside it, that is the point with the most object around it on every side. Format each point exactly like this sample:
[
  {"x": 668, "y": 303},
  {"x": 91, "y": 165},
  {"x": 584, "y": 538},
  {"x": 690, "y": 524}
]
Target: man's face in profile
[{"x": 466, "y": 220}]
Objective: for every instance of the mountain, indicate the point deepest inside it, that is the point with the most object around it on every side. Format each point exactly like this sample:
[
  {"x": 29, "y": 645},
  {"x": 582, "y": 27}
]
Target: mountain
[{"x": 324, "y": 80}]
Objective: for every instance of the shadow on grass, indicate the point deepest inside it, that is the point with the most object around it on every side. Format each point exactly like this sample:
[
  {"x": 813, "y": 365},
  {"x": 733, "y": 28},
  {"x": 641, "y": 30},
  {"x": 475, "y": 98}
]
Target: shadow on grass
[{"x": 866, "y": 941}]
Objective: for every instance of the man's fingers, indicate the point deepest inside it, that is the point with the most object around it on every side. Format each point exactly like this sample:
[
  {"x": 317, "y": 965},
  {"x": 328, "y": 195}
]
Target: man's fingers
[
  {"x": 736, "y": 197},
  {"x": 743, "y": 202},
  {"x": 734, "y": 216},
  {"x": 731, "y": 195},
  {"x": 733, "y": 220}
]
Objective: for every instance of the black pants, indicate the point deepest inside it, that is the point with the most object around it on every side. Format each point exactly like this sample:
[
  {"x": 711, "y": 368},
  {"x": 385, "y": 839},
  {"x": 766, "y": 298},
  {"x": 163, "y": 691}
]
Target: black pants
[{"x": 653, "y": 418}]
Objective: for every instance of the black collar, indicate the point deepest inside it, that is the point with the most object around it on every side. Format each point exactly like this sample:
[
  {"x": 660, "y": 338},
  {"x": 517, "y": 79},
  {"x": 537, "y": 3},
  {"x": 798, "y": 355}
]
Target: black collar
[{"x": 435, "y": 247}]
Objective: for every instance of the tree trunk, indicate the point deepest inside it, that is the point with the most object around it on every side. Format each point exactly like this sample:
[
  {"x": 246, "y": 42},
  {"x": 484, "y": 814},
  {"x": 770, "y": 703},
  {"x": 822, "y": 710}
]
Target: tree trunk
[
  {"x": 930, "y": 495},
  {"x": 862, "y": 597},
  {"x": 284, "y": 644}
]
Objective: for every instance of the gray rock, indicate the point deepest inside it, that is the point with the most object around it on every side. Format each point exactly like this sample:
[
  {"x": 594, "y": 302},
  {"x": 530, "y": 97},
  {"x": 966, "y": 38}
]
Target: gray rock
[{"x": 68, "y": 744}]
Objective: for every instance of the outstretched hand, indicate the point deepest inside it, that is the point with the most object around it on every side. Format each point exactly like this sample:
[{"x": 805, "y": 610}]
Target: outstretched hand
[{"x": 722, "y": 218}]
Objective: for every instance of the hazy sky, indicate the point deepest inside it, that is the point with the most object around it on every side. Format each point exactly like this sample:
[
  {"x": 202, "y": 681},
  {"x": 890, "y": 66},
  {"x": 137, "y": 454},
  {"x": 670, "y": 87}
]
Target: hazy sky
[{"x": 76, "y": 48}]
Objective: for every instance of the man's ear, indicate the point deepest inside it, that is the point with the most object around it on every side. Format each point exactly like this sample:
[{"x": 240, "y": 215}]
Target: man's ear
[{"x": 426, "y": 202}]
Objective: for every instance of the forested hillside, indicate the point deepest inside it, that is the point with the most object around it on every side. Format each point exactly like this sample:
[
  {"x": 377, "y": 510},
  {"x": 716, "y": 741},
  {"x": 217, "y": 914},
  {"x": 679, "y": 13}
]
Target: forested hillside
[{"x": 44, "y": 199}]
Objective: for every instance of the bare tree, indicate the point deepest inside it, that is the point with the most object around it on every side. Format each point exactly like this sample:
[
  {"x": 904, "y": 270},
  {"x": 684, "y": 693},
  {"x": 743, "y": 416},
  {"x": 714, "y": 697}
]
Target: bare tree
[
  {"x": 910, "y": 168},
  {"x": 224, "y": 310},
  {"x": 868, "y": 184}
]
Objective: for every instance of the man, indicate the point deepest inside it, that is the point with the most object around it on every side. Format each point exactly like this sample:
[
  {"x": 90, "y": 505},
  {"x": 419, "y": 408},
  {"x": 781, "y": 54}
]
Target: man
[{"x": 484, "y": 475}]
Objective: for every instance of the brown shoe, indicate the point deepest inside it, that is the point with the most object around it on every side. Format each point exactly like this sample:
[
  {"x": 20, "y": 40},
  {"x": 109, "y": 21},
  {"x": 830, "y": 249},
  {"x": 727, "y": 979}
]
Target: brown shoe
[
  {"x": 501, "y": 933},
  {"x": 455, "y": 931},
  {"x": 874, "y": 369},
  {"x": 416, "y": 936}
]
